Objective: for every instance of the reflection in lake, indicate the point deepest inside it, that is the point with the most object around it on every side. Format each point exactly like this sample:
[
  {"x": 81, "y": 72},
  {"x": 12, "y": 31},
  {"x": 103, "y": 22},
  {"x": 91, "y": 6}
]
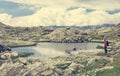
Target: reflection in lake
[{"x": 56, "y": 49}]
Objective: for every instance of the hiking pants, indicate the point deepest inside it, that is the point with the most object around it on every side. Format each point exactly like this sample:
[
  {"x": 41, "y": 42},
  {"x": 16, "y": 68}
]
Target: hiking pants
[{"x": 105, "y": 48}]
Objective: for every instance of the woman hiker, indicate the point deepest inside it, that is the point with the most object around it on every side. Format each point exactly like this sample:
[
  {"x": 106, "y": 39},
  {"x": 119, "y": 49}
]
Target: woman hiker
[{"x": 105, "y": 46}]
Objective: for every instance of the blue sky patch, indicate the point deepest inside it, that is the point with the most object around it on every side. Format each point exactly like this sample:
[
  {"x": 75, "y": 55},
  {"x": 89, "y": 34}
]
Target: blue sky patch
[
  {"x": 15, "y": 9},
  {"x": 89, "y": 10},
  {"x": 114, "y": 11},
  {"x": 72, "y": 8}
]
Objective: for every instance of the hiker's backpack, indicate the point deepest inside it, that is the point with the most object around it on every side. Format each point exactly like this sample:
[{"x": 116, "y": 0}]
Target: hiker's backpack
[{"x": 107, "y": 43}]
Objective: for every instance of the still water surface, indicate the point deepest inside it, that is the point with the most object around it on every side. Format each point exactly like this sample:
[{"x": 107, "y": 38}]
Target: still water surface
[{"x": 56, "y": 49}]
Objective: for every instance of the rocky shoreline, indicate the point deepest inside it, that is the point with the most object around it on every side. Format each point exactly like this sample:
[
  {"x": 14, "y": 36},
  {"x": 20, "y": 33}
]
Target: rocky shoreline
[{"x": 78, "y": 63}]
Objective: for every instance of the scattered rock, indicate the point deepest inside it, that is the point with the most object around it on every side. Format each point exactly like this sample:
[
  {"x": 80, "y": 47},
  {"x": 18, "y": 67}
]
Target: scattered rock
[
  {"x": 3, "y": 57},
  {"x": 15, "y": 54},
  {"x": 58, "y": 66}
]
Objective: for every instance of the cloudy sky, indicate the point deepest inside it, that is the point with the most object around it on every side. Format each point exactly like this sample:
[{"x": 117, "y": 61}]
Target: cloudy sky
[{"x": 59, "y": 12}]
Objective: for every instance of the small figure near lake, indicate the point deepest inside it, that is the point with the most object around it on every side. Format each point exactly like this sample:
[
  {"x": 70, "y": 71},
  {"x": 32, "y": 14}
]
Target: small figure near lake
[
  {"x": 74, "y": 49},
  {"x": 106, "y": 44}
]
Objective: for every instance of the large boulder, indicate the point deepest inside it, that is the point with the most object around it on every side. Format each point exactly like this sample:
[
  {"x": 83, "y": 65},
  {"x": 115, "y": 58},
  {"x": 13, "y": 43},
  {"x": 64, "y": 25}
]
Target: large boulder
[
  {"x": 7, "y": 55},
  {"x": 4, "y": 48}
]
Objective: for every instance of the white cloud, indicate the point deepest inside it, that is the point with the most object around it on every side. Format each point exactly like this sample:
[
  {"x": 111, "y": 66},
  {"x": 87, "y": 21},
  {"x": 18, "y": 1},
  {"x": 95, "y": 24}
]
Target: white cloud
[
  {"x": 60, "y": 16},
  {"x": 93, "y": 4},
  {"x": 5, "y": 18},
  {"x": 101, "y": 4},
  {"x": 46, "y": 3}
]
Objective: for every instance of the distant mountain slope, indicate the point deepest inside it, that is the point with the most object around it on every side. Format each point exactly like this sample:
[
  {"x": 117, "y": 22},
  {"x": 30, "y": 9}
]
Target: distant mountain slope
[
  {"x": 85, "y": 27},
  {"x": 110, "y": 32}
]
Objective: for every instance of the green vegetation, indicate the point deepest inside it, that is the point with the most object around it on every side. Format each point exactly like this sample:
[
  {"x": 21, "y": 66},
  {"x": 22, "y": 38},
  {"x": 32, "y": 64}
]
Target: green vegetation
[
  {"x": 24, "y": 54},
  {"x": 100, "y": 47},
  {"x": 97, "y": 64},
  {"x": 97, "y": 42},
  {"x": 33, "y": 61},
  {"x": 84, "y": 62},
  {"x": 111, "y": 72},
  {"x": 63, "y": 66},
  {"x": 23, "y": 45},
  {"x": 1, "y": 62}
]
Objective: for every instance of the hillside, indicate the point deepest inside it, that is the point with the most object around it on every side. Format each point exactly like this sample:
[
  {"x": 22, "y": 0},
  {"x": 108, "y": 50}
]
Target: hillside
[
  {"x": 29, "y": 35},
  {"x": 68, "y": 35},
  {"x": 99, "y": 33}
]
